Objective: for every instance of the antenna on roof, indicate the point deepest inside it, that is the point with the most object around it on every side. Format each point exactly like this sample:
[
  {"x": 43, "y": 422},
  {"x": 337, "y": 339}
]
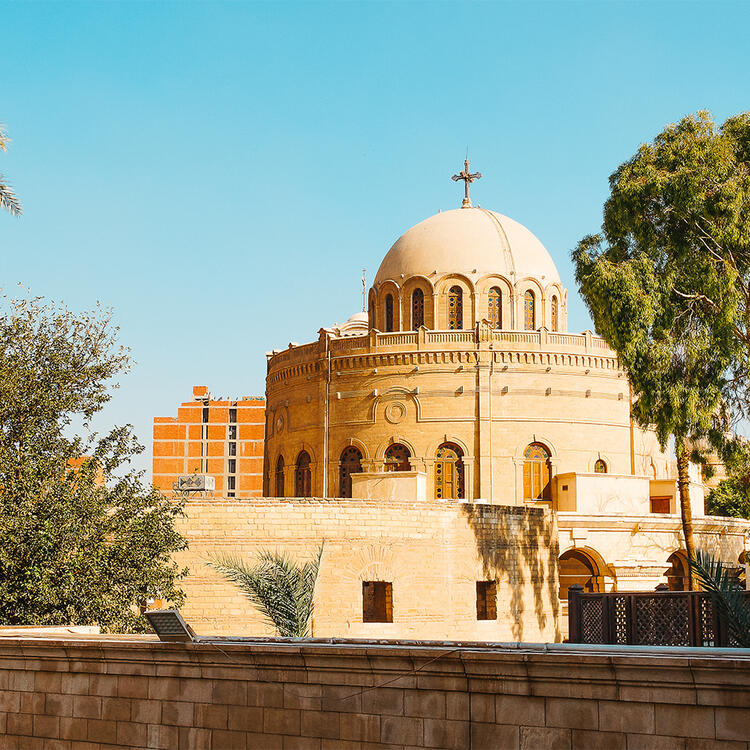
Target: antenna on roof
[{"x": 364, "y": 290}]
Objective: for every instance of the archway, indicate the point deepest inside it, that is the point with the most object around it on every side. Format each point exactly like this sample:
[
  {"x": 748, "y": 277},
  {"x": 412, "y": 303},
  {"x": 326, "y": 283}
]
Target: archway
[
  {"x": 280, "y": 477},
  {"x": 449, "y": 472},
  {"x": 397, "y": 458},
  {"x": 302, "y": 476},
  {"x": 677, "y": 574},
  {"x": 537, "y": 471},
  {"x": 349, "y": 463},
  {"x": 578, "y": 567}
]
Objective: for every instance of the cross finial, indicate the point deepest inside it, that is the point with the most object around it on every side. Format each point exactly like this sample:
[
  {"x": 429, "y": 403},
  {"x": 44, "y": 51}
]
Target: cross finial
[
  {"x": 468, "y": 178},
  {"x": 364, "y": 290}
]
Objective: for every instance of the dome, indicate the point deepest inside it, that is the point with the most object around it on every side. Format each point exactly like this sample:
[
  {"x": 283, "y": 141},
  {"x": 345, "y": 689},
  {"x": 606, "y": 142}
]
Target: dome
[{"x": 469, "y": 241}]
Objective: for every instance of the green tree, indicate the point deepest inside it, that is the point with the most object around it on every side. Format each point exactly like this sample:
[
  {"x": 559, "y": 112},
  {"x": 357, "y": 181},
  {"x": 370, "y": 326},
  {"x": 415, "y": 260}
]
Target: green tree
[
  {"x": 731, "y": 497},
  {"x": 281, "y": 588},
  {"x": 8, "y": 199},
  {"x": 82, "y": 541},
  {"x": 668, "y": 282}
]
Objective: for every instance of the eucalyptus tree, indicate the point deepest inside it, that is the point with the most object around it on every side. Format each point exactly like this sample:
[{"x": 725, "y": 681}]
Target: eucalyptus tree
[
  {"x": 82, "y": 540},
  {"x": 8, "y": 199},
  {"x": 667, "y": 282}
]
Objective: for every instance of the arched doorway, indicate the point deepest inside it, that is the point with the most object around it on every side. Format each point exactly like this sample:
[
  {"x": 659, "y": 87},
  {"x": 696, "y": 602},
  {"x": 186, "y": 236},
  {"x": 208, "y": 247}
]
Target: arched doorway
[
  {"x": 302, "y": 475},
  {"x": 578, "y": 567},
  {"x": 350, "y": 463},
  {"x": 280, "y": 476},
  {"x": 677, "y": 574},
  {"x": 449, "y": 472},
  {"x": 537, "y": 470},
  {"x": 397, "y": 458}
]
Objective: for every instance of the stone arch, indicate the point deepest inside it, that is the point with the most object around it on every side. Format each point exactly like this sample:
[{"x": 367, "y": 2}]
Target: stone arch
[
  {"x": 583, "y": 566},
  {"x": 677, "y": 572},
  {"x": 388, "y": 288},
  {"x": 536, "y": 438},
  {"x": 442, "y": 290},
  {"x": 450, "y": 472},
  {"x": 428, "y": 288},
  {"x": 350, "y": 462},
  {"x": 279, "y": 479},
  {"x": 303, "y": 474},
  {"x": 356, "y": 443},
  {"x": 599, "y": 457},
  {"x": 483, "y": 286},
  {"x": 396, "y": 438}
]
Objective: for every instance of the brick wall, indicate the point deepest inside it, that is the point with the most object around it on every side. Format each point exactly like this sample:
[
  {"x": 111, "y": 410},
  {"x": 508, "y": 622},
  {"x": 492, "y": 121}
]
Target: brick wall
[
  {"x": 96, "y": 694},
  {"x": 432, "y": 552}
]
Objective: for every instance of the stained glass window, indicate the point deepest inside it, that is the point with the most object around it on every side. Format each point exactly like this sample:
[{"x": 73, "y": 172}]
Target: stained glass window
[
  {"x": 529, "y": 311},
  {"x": 455, "y": 308},
  {"x": 536, "y": 472},
  {"x": 397, "y": 458},
  {"x": 495, "y": 308},
  {"x": 417, "y": 309},
  {"x": 554, "y": 313},
  {"x": 350, "y": 463},
  {"x": 280, "y": 477},
  {"x": 449, "y": 472},
  {"x": 302, "y": 476},
  {"x": 600, "y": 467},
  {"x": 388, "y": 312}
]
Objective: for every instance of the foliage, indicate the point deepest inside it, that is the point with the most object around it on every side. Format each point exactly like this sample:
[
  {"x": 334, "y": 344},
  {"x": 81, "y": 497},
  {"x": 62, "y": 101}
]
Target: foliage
[
  {"x": 732, "y": 606},
  {"x": 282, "y": 589},
  {"x": 8, "y": 199},
  {"x": 668, "y": 280},
  {"x": 82, "y": 541},
  {"x": 731, "y": 497}
]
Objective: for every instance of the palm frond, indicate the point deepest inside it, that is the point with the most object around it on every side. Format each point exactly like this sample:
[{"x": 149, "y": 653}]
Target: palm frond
[
  {"x": 728, "y": 598},
  {"x": 279, "y": 587},
  {"x": 8, "y": 199}
]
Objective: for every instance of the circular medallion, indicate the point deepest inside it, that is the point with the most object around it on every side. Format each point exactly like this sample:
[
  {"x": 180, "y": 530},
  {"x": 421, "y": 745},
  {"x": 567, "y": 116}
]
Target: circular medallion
[{"x": 395, "y": 412}]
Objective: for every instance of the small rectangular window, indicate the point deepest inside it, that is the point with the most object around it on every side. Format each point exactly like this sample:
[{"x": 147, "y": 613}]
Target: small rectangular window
[
  {"x": 230, "y": 483},
  {"x": 233, "y": 415},
  {"x": 486, "y": 600},
  {"x": 660, "y": 504},
  {"x": 377, "y": 601},
  {"x": 232, "y": 469},
  {"x": 233, "y": 432},
  {"x": 230, "y": 494},
  {"x": 232, "y": 449},
  {"x": 205, "y": 414}
]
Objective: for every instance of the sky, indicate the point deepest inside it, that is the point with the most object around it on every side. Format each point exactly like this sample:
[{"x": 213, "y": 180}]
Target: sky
[{"x": 219, "y": 174}]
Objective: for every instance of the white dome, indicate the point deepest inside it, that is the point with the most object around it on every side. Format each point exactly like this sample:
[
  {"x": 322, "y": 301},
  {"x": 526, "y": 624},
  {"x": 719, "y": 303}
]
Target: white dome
[{"x": 469, "y": 241}]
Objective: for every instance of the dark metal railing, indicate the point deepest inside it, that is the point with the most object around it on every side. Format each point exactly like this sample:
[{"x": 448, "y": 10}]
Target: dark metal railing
[{"x": 646, "y": 618}]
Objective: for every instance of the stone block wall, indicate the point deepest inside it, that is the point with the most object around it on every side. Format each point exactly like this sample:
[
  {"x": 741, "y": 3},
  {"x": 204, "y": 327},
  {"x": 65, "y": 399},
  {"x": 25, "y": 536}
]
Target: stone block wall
[
  {"x": 113, "y": 694},
  {"x": 432, "y": 552}
]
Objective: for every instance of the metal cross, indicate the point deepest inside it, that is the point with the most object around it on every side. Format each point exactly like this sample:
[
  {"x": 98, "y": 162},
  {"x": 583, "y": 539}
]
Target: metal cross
[
  {"x": 468, "y": 178},
  {"x": 364, "y": 290}
]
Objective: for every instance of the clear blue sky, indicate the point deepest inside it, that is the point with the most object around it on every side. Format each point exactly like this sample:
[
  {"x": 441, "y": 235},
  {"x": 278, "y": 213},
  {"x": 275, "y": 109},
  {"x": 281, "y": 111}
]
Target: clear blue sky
[{"x": 219, "y": 174}]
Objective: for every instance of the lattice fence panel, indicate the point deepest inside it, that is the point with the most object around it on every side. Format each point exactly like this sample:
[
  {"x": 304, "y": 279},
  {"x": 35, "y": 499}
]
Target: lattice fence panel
[
  {"x": 621, "y": 619},
  {"x": 661, "y": 621},
  {"x": 594, "y": 622},
  {"x": 706, "y": 635}
]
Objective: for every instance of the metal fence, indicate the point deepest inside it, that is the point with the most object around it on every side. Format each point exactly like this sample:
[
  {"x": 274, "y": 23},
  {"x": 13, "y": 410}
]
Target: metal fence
[{"x": 646, "y": 618}]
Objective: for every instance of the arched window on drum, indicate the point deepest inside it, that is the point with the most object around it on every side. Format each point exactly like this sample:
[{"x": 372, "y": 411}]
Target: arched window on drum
[
  {"x": 529, "y": 311},
  {"x": 495, "y": 307},
  {"x": 555, "y": 314},
  {"x": 537, "y": 469},
  {"x": 600, "y": 467},
  {"x": 350, "y": 463},
  {"x": 455, "y": 308},
  {"x": 302, "y": 475},
  {"x": 397, "y": 458},
  {"x": 449, "y": 472},
  {"x": 417, "y": 309},
  {"x": 279, "y": 476},
  {"x": 388, "y": 312}
]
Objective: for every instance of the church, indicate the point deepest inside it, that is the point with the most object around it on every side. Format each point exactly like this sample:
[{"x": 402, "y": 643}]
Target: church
[{"x": 459, "y": 401}]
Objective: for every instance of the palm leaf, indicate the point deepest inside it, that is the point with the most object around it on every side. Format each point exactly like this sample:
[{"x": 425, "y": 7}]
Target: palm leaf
[
  {"x": 278, "y": 586},
  {"x": 728, "y": 598},
  {"x": 8, "y": 199}
]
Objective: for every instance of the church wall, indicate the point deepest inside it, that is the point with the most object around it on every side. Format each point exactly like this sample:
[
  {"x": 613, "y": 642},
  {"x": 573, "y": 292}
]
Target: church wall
[{"x": 432, "y": 552}]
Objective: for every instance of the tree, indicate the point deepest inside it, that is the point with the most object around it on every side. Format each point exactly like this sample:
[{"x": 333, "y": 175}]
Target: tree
[
  {"x": 731, "y": 497},
  {"x": 82, "y": 541},
  {"x": 282, "y": 589},
  {"x": 668, "y": 282},
  {"x": 8, "y": 199}
]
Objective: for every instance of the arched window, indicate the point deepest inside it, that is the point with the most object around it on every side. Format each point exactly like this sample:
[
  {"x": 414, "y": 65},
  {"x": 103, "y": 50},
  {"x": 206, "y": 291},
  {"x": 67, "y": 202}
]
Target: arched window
[
  {"x": 554, "y": 321},
  {"x": 397, "y": 458},
  {"x": 536, "y": 473},
  {"x": 529, "y": 311},
  {"x": 417, "y": 309},
  {"x": 600, "y": 467},
  {"x": 449, "y": 472},
  {"x": 677, "y": 575},
  {"x": 302, "y": 477},
  {"x": 495, "y": 308},
  {"x": 350, "y": 463},
  {"x": 388, "y": 312},
  {"x": 455, "y": 308},
  {"x": 576, "y": 567},
  {"x": 280, "y": 476}
]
